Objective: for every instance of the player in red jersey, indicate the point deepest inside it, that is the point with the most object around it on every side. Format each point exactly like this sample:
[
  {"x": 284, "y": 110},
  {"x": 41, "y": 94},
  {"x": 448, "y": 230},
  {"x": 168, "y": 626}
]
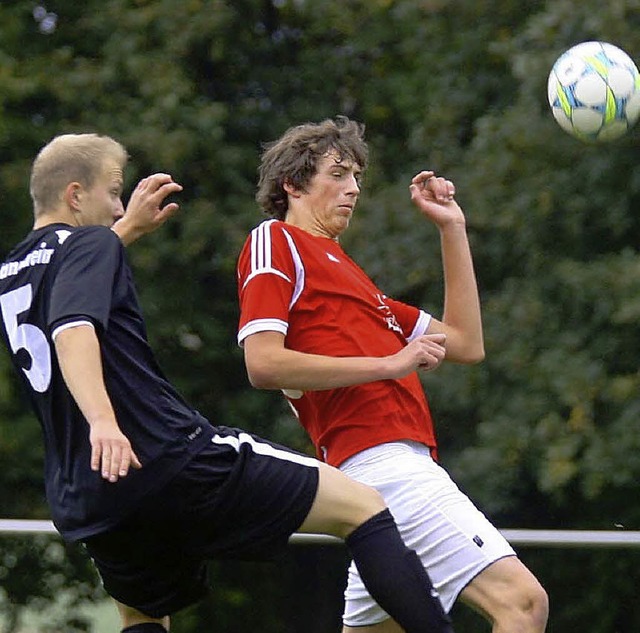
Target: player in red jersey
[{"x": 346, "y": 357}]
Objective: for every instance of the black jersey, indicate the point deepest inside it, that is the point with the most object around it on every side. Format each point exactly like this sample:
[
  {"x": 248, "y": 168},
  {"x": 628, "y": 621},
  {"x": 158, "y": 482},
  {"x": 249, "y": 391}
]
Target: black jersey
[{"x": 60, "y": 275}]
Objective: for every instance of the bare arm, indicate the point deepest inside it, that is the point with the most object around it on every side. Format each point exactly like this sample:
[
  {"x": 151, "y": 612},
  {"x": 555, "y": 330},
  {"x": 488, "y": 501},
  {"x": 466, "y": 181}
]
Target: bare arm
[
  {"x": 270, "y": 365},
  {"x": 461, "y": 321},
  {"x": 79, "y": 357},
  {"x": 146, "y": 210}
]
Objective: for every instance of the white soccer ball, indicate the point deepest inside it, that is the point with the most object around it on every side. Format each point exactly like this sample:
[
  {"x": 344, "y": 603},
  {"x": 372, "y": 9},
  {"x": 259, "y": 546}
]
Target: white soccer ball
[{"x": 594, "y": 91}]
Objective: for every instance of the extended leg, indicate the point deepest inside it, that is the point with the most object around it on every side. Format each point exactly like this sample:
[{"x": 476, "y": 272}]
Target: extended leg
[{"x": 391, "y": 572}]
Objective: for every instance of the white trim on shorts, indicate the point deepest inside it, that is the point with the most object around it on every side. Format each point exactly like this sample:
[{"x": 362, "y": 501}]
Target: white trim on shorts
[
  {"x": 454, "y": 540},
  {"x": 263, "y": 448}
]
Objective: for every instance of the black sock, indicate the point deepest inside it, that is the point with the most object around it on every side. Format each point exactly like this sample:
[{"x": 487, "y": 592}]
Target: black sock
[
  {"x": 393, "y": 574},
  {"x": 145, "y": 627}
]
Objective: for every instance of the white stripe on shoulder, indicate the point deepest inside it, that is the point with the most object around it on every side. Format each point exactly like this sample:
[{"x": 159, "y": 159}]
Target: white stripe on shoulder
[
  {"x": 261, "y": 253},
  {"x": 262, "y": 448},
  {"x": 67, "y": 326},
  {"x": 421, "y": 326},
  {"x": 261, "y": 246}
]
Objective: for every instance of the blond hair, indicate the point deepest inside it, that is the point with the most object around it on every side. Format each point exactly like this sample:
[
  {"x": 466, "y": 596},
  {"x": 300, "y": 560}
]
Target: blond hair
[
  {"x": 294, "y": 158},
  {"x": 70, "y": 158}
]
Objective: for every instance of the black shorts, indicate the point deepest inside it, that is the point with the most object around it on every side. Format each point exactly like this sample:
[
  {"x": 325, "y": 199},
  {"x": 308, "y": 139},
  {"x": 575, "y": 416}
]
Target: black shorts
[{"x": 242, "y": 497}]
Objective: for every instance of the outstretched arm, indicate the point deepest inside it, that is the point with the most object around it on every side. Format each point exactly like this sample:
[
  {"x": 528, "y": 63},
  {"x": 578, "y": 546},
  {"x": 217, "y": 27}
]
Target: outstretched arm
[
  {"x": 461, "y": 321},
  {"x": 146, "y": 210},
  {"x": 79, "y": 358},
  {"x": 270, "y": 365}
]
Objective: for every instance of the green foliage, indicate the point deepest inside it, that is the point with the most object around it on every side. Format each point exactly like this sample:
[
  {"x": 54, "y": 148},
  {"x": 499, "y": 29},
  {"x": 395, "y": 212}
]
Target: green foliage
[
  {"x": 38, "y": 571},
  {"x": 545, "y": 432}
]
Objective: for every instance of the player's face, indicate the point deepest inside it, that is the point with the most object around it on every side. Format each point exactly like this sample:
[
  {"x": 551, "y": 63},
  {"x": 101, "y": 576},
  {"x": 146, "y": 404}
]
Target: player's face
[
  {"x": 330, "y": 197},
  {"x": 102, "y": 203}
]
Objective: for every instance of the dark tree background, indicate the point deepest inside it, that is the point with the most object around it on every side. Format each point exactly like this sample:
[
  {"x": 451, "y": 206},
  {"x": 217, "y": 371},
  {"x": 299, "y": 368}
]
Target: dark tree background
[{"x": 545, "y": 433}]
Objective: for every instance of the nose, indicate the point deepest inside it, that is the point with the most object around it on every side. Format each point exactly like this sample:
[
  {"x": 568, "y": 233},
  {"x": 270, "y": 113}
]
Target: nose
[
  {"x": 354, "y": 187},
  {"x": 119, "y": 211}
]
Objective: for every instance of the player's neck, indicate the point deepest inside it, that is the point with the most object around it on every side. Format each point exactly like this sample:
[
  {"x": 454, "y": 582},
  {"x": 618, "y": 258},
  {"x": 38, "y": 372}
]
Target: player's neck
[
  {"x": 53, "y": 217},
  {"x": 309, "y": 226}
]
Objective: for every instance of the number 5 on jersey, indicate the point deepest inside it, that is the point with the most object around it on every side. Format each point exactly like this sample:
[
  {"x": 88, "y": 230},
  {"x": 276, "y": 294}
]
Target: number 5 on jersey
[{"x": 27, "y": 337}]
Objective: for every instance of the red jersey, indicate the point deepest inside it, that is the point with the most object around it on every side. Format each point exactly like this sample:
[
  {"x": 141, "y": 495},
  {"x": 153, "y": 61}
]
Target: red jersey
[{"x": 310, "y": 290}]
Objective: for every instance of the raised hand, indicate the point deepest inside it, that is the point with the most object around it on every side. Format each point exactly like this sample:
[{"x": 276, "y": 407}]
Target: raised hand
[
  {"x": 434, "y": 196},
  {"x": 146, "y": 210}
]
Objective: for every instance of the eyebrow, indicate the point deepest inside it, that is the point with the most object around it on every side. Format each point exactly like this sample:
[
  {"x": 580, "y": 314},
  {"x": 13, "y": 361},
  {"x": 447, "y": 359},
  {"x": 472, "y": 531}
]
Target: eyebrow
[{"x": 349, "y": 166}]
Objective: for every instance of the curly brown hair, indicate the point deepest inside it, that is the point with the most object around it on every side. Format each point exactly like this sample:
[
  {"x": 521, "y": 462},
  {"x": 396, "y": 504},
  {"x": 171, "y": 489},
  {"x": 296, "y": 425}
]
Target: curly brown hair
[{"x": 294, "y": 157}]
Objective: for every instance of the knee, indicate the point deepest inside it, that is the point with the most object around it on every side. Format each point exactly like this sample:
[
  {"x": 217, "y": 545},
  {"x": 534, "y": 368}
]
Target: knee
[
  {"x": 342, "y": 504},
  {"x": 370, "y": 501},
  {"x": 366, "y": 503},
  {"x": 373, "y": 502},
  {"x": 539, "y": 608},
  {"x": 532, "y": 605},
  {"x": 510, "y": 597}
]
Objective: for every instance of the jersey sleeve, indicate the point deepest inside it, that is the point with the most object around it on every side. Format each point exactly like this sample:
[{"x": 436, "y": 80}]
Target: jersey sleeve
[
  {"x": 84, "y": 279},
  {"x": 413, "y": 321},
  {"x": 267, "y": 279}
]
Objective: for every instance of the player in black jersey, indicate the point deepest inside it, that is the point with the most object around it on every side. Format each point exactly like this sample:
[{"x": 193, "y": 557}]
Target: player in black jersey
[{"x": 152, "y": 488}]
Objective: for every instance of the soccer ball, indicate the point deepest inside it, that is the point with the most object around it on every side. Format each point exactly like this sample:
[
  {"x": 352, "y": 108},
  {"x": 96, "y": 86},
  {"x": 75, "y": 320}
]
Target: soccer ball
[{"x": 594, "y": 91}]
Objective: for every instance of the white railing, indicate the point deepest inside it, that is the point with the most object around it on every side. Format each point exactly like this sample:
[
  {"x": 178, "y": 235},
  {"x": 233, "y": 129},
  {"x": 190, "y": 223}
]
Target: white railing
[{"x": 524, "y": 538}]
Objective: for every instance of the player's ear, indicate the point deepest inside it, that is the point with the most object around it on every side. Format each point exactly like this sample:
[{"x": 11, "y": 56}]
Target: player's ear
[
  {"x": 73, "y": 196},
  {"x": 290, "y": 189}
]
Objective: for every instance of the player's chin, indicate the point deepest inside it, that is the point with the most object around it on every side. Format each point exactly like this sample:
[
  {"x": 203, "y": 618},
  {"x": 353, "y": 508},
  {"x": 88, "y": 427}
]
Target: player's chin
[{"x": 335, "y": 229}]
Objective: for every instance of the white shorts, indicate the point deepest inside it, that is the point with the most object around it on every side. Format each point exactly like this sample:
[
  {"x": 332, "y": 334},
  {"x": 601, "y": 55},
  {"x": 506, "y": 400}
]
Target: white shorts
[{"x": 454, "y": 540}]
